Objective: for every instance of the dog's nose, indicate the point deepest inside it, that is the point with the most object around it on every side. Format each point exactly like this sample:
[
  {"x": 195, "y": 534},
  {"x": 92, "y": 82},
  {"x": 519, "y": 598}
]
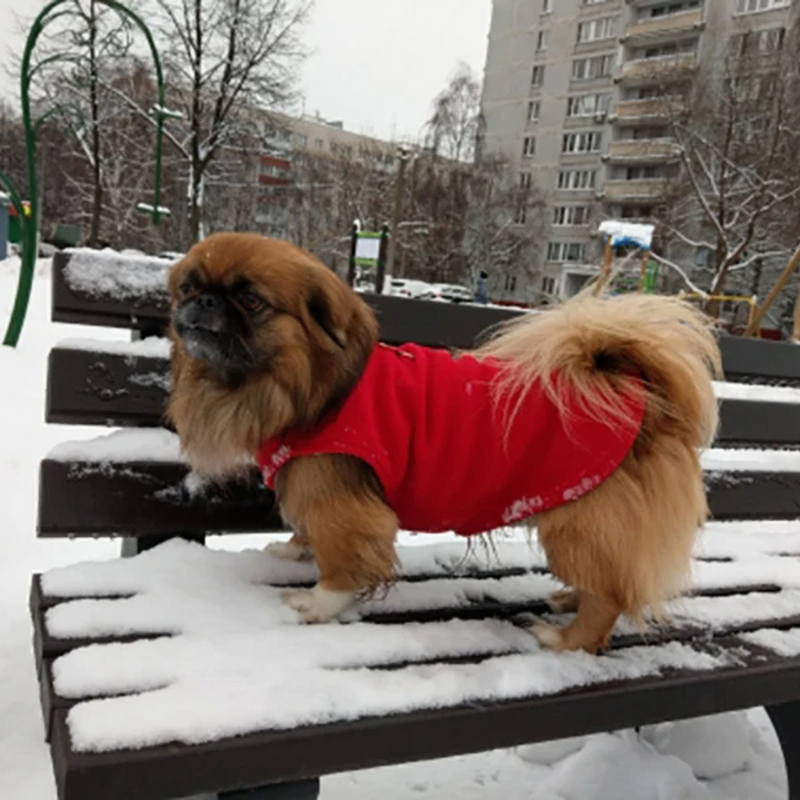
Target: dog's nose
[{"x": 209, "y": 302}]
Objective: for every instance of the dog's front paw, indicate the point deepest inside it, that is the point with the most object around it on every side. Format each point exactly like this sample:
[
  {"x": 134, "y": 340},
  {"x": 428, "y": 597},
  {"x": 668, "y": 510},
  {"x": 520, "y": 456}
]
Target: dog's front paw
[
  {"x": 563, "y": 602},
  {"x": 549, "y": 636},
  {"x": 290, "y": 551},
  {"x": 317, "y": 604}
]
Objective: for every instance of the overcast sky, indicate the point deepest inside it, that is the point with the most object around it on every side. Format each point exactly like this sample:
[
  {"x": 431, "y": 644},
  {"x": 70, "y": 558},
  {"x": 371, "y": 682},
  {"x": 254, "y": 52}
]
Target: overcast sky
[{"x": 375, "y": 64}]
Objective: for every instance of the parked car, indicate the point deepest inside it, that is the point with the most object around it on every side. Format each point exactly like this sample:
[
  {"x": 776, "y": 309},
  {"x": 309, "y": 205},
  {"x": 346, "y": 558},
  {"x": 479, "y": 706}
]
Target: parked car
[
  {"x": 419, "y": 290},
  {"x": 454, "y": 293}
]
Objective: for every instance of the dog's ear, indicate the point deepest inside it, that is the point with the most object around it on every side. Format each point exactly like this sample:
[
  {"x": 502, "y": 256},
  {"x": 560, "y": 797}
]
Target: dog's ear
[{"x": 329, "y": 309}]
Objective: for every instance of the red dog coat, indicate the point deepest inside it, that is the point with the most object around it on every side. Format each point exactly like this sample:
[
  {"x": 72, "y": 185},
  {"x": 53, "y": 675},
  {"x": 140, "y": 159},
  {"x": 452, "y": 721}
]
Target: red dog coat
[{"x": 451, "y": 458}]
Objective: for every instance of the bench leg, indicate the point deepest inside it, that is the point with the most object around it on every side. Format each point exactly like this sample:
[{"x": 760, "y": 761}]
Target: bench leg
[
  {"x": 786, "y": 720},
  {"x": 297, "y": 790}
]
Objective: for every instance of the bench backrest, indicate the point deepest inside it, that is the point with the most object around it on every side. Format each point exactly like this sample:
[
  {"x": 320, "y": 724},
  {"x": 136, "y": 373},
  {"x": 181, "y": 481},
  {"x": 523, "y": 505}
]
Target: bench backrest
[{"x": 136, "y": 485}]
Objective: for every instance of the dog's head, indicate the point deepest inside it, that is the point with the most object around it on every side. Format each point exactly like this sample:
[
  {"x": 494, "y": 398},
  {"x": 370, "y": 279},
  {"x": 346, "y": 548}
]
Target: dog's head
[{"x": 264, "y": 328}]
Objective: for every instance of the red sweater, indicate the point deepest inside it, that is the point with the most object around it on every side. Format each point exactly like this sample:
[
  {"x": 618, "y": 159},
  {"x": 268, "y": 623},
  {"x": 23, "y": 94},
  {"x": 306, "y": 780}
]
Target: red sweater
[{"x": 443, "y": 450}]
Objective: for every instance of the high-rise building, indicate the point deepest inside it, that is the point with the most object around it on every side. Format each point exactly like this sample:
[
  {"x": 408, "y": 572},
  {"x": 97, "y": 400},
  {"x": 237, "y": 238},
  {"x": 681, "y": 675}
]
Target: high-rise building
[{"x": 573, "y": 99}]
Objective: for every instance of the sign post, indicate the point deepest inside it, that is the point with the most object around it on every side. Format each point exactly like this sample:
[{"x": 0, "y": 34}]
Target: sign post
[{"x": 368, "y": 252}]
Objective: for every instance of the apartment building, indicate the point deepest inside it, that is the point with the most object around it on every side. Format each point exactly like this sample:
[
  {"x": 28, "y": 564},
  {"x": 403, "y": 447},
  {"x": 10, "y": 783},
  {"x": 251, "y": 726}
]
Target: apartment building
[
  {"x": 288, "y": 143},
  {"x": 573, "y": 99}
]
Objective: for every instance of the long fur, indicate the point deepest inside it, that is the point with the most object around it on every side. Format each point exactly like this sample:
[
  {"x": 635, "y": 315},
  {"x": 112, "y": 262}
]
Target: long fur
[
  {"x": 301, "y": 373},
  {"x": 629, "y": 541},
  {"x": 624, "y": 547}
]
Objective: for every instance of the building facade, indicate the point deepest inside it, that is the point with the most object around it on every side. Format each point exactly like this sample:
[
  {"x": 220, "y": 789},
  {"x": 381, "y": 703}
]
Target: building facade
[
  {"x": 574, "y": 100},
  {"x": 293, "y": 153}
]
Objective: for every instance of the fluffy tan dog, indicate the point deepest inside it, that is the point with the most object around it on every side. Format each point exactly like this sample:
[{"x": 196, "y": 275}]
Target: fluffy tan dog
[{"x": 271, "y": 349}]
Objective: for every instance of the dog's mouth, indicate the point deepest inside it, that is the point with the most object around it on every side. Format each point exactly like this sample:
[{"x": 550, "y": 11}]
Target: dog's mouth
[{"x": 216, "y": 348}]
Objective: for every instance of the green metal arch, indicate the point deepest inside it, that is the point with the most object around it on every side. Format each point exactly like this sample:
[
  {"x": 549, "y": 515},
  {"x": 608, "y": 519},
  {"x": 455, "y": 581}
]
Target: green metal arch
[{"x": 30, "y": 225}]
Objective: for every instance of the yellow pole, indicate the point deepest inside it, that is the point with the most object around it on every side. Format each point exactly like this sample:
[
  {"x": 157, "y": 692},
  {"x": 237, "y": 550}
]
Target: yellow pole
[
  {"x": 761, "y": 312},
  {"x": 643, "y": 277},
  {"x": 605, "y": 270}
]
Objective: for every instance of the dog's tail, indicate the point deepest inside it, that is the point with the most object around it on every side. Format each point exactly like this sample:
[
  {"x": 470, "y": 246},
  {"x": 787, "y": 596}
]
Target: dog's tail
[{"x": 590, "y": 352}]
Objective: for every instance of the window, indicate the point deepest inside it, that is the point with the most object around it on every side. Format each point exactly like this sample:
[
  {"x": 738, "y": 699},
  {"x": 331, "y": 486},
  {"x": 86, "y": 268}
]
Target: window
[
  {"x": 534, "y": 107},
  {"x": 659, "y": 51},
  {"x": 585, "y": 142},
  {"x": 751, "y": 6},
  {"x": 541, "y": 40},
  {"x": 528, "y": 146},
  {"x": 511, "y": 283},
  {"x": 548, "y": 285},
  {"x": 565, "y": 251},
  {"x": 547, "y": 6},
  {"x": 667, "y": 9},
  {"x": 702, "y": 256},
  {"x": 642, "y": 173},
  {"x": 520, "y": 215},
  {"x": 537, "y": 75},
  {"x": 595, "y": 29},
  {"x": 594, "y": 67},
  {"x": 587, "y": 105},
  {"x": 577, "y": 179},
  {"x": 754, "y": 42},
  {"x": 571, "y": 215},
  {"x": 525, "y": 180}
]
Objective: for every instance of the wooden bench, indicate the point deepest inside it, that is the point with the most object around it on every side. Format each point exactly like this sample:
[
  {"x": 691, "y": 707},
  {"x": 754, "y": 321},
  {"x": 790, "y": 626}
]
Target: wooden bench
[{"x": 134, "y": 486}]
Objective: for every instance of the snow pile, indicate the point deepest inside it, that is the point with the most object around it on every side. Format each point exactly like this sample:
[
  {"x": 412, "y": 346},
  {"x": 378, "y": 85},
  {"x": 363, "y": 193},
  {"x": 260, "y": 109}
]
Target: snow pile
[
  {"x": 107, "y": 273},
  {"x": 624, "y": 233},
  {"x": 234, "y": 644},
  {"x": 684, "y": 739},
  {"x": 134, "y": 444},
  {"x": 149, "y": 347}
]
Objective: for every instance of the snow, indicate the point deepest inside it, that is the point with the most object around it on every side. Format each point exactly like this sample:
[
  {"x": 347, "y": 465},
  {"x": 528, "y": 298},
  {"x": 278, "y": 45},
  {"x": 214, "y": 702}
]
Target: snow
[
  {"x": 685, "y": 738},
  {"x": 720, "y": 460},
  {"x": 622, "y": 233},
  {"x": 619, "y": 765},
  {"x": 150, "y": 347},
  {"x": 106, "y": 273},
  {"x": 748, "y": 391},
  {"x": 144, "y": 444},
  {"x": 230, "y": 630}
]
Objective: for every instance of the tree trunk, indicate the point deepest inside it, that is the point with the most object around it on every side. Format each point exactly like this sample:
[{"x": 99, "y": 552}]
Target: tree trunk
[{"x": 97, "y": 182}]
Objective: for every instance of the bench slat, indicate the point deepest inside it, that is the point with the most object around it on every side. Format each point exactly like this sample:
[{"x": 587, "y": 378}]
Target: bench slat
[
  {"x": 280, "y": 756},
  {"x": 93, "y": 388},
  {"x": 137, "y": 499},
  {"x": 86, "y": 387},
  {"x": 757, "y": 677},
  {"x": 403, "y": 320}
]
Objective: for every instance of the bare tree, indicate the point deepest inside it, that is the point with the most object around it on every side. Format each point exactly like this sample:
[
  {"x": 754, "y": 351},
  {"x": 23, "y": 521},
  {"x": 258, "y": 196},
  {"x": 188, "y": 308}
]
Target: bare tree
[
  {"x": 452, "y": 129},
  {"x": 73, "y": 57},
  {"x": 225, "y": 59},
  {"x": 736, "y": 198}
]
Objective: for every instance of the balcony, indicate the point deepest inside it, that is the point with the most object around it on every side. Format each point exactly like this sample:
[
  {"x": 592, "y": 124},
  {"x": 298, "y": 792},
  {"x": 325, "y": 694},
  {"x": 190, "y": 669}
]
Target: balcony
[
  {"x": 653, "y": 110},
  {"x": 642, "y": 191},
  {"x": 642, "y": 151},
  {"x": 668, "y": 27},
  {"x": 644, "y": 71}
]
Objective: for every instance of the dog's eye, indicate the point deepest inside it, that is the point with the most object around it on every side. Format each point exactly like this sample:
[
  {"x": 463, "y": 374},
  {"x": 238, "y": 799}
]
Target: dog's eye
[
  {"x": 250, "y": 301},
  {"x": 186, "y": 287}
]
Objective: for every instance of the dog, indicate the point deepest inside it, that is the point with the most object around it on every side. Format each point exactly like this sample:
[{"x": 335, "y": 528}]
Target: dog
[{"x": 584, "y": 421}]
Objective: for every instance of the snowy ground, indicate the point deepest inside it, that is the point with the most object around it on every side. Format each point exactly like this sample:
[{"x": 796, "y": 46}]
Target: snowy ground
[{"x": 731, "y": 757}]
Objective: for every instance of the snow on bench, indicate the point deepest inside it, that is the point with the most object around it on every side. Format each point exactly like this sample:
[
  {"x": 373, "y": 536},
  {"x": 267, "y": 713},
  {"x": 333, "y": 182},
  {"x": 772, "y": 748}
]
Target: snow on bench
[{"x": 234, "y": 659}]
